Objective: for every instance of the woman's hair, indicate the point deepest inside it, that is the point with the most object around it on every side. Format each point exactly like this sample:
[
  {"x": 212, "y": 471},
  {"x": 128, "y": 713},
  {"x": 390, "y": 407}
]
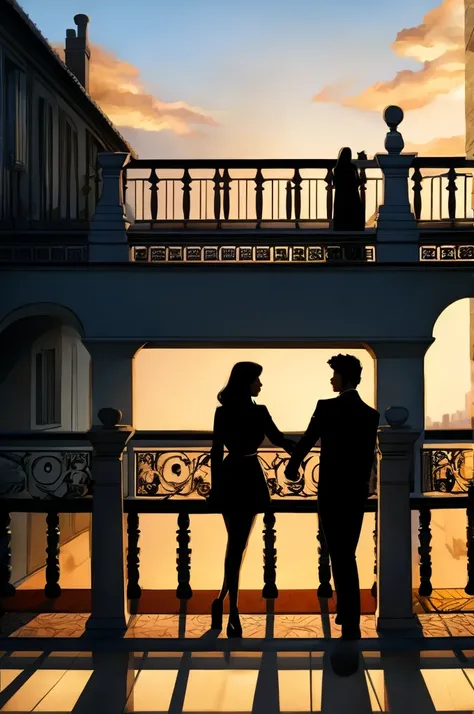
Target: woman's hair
[
  {"x": 237, "y": 389},
  {"x": 345, "y": 155}
]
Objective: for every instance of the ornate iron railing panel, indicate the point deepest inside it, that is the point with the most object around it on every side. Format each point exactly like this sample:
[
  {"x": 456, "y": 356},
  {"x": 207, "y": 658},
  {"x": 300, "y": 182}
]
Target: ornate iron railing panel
[
  {"x": 447, "y": 469},
  {"x": 168, "y": 473},
  {"x": 45, "y": 474}
]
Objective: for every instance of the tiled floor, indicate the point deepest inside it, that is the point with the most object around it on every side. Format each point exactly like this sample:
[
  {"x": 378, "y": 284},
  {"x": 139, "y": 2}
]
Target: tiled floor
[
  {"x": 254, "y": 626},
  {"x": 216, "y": 682}
]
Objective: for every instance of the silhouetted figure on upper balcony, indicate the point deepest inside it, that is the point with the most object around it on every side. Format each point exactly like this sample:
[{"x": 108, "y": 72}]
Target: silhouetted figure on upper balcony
[
  {"x": 347, "y": 428},
  {"x": 239, "y": 489},
  {"x": 348, "y": 210}
]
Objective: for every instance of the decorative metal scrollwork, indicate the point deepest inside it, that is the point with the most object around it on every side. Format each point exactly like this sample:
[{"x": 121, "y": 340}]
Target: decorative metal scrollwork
[
  {"x": 166, "y": 474},
  {"x": 41, "y": 474},
  {"x": 447, "y": 470}
]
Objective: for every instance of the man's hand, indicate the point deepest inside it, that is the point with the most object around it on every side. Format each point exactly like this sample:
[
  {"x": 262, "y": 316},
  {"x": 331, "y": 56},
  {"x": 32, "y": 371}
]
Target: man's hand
[{"x": 291, "y": 472}]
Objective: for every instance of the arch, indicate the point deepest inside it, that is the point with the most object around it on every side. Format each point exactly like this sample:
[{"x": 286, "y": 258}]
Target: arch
[
  {"x": 58, "y": 314},
  {"x": 448, "y": 368}
]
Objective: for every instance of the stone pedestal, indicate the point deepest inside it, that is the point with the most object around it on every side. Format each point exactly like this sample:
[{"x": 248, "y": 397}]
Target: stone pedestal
[
  {"x": 109, "y": 606},
  {"x": 108, "y": 240},
  {"x": 394, "y": 585}
]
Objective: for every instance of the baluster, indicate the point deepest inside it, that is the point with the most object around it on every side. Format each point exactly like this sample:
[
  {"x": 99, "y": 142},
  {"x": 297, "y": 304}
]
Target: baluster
[
  {"x": 451, "y": 189},
  {"x": 183, "y": 560},
  {"x": 289, "y": 200},
  {"x": 469, "y": 589},
  {"x": 259, "y": 181},
  {"x": 270, "y": 589},
  {"x": 52, "y": 589},
  {"x": 329, "y": 199},
  {"x": 363, "y": 185},
  {"x": 297, "y": 180},
  {"x": 324, "y": 569},
  {"x": 153, "y": 180},
  {"x": 7, "y": 589},
  {"x": 424, "y": 551},
  {"x": 373, "y": 589},
  {"x": 417, "y": 179},
  {"x": 226, "y": 180},
  {"x": 217, "y": 196},
  {"x": 186, "y": 181},
  {"x": 134, "y": 590}
]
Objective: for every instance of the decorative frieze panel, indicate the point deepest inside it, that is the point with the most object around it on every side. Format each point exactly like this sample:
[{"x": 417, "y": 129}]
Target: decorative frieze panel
[
  {"x": 43, "y": 254},
  {"x": 446, "y": 252},
  {"x": 45, "y": 474},
  {"x": 253, "y": 254}
]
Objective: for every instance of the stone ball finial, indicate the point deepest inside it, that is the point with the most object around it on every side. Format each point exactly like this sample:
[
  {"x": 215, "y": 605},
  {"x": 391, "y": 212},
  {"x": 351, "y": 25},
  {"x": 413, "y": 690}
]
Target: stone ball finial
[
  {"x": 109, "y": 417},
  {"x": 393, "y": 117},
  {"x": 396, "y": 416},
  {"x": 81, "y": 21}
]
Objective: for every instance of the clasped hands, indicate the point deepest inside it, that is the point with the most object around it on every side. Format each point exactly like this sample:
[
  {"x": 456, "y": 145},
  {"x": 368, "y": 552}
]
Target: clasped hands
[{"x": 291, "y": 470}]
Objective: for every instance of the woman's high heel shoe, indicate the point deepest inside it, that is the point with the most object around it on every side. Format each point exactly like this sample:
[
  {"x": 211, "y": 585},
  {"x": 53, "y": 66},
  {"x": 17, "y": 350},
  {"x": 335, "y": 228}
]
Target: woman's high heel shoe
[
  {"x": 217, "y": 608},
  {"x": 234, "y": 628}
]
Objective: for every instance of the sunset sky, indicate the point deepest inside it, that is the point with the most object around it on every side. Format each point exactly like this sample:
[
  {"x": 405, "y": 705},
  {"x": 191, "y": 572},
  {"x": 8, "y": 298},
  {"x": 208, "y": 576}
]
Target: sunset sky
[
  {"x": 267, "y": 77},
  {"x": 281, "y": 79}
]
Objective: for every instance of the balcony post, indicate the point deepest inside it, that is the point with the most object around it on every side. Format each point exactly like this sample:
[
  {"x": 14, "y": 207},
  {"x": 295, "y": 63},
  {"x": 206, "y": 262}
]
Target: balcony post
[
  {"x": 397, "y": 229},
  {"x": 108, "y": 241},
  {"x": 394, "y": 586},
  {"x": 400, "y": 380},
  {"x": 112, "y": 376},
  {"x": 109, "y": 604}
]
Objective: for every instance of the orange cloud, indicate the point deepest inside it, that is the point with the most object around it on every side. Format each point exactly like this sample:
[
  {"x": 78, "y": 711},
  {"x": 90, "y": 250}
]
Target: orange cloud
[
  {"x": 449, "y": 146},
  {"x": 438, "y": 42},
  {"x": 117, "y": 88}
]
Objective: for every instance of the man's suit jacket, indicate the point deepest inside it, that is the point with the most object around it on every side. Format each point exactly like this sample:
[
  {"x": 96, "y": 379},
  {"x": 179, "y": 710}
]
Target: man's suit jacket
[{"x": 347, "y": 428}]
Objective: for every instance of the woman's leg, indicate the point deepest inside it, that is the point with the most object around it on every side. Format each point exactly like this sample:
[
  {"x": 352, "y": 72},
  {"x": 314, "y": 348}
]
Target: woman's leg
[{"x": 239, "y": 526}]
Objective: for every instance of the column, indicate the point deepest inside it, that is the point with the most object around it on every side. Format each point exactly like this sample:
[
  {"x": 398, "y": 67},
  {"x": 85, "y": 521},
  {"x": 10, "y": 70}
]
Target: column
[
  {"x": 394, "y": 585},
  {"x": 397, "y": 229},
  {"x": 109, "y": 605},
  {"x": 112, "y": 364},
  {"x": 108, "y": 240}
]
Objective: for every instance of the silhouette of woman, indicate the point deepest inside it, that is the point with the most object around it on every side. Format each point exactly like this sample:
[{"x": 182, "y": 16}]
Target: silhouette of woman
[
  {"x": 239, "y": 489},
  {"x": 348, "y": 212}
]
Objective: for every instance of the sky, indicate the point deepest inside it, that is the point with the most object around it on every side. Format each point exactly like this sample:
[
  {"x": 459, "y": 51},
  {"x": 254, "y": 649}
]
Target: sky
[
  {"x": 279, "y": 79},
  {"x": 267, "y": 77}
]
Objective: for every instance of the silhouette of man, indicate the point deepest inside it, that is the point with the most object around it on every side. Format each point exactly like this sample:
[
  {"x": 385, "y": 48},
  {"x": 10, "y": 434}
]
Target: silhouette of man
[{"x": 347, "y": 428}]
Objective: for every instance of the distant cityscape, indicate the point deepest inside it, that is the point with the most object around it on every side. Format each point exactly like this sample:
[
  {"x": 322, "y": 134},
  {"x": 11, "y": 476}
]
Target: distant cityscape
[{"x": 458, "y": 420}]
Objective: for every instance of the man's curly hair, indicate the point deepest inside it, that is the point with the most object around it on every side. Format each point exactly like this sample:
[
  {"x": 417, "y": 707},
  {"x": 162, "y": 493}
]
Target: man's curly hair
[{"x": 348, "y": 367}]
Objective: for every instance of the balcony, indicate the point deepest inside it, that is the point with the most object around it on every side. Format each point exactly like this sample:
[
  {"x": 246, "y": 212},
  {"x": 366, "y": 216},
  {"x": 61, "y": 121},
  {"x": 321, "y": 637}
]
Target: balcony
[{"x": 168, "y": 473}]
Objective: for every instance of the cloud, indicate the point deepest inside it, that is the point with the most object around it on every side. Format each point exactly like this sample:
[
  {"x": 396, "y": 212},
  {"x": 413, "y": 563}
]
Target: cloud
[
  {"x": 117, "y": 88},
  {"x": 448, "y": 146},
  {"x": 438, "y": 42}
]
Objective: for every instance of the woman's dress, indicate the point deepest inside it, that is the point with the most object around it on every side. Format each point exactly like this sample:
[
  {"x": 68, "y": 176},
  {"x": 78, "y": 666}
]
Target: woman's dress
[
  {"x": 348, "y": 210},
  {"x": 238, "y": 481}
]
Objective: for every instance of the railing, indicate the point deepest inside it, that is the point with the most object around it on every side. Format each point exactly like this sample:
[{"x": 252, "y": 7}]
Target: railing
[
  {"x": 168, "y": 472},
  {"x": 236, "y": 194}
]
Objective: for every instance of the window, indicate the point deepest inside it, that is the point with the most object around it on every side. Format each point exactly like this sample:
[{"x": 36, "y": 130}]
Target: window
[
  {"x": 45, "y": 156},
  {"x": 92, "y": 179},
  {"x": 16, "y": 115},
  {"x": 69, "y": 182},
  {"x": 46, "y": 388}
]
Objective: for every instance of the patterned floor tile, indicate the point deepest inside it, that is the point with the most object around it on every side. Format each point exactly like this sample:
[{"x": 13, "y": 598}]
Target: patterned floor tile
[
  {"x": 459, "y": 624},
  {"x": 53, "y": 625},
  {"x": 433, "y": 625}
]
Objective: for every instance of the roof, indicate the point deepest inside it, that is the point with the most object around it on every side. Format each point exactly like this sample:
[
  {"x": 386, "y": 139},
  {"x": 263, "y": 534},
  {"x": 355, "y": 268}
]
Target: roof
[{"x": 72, "y": 78}]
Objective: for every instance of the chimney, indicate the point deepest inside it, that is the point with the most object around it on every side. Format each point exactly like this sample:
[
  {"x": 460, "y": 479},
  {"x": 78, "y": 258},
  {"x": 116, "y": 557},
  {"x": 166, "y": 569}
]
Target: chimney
[{"x": 77, "y": 51}]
